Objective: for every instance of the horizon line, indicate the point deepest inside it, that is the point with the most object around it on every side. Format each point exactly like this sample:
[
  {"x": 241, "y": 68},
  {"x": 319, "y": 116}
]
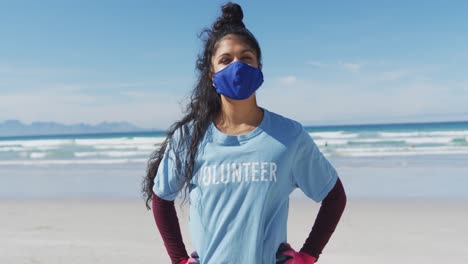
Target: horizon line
[{"x": 143, "y": 131}]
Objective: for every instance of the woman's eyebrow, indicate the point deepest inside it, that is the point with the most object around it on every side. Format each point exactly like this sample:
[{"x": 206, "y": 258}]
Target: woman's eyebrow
[
  {"x": 247, "y": 50},
  {"x": 242, "y": 52},
  {"x": 224, "y": 54}
]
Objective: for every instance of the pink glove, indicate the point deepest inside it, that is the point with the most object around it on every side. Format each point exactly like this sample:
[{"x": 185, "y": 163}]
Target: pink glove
[
  {"x": 192, "y": 260},
  {"x": 189, "y": 261},
  {"x": 287, "y": 255}
]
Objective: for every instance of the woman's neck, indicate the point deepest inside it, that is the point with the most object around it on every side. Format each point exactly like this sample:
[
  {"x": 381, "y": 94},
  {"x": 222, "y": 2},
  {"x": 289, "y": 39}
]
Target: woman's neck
[{"x": 238, "y": 117}]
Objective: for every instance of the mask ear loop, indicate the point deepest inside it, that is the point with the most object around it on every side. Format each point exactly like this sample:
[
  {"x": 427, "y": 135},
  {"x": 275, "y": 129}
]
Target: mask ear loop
[{"x": 211, "y": 75}]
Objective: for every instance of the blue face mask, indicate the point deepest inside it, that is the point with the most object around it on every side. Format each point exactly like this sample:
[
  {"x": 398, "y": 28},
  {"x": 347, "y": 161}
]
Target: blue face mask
[{"x": 238, "y": 80}]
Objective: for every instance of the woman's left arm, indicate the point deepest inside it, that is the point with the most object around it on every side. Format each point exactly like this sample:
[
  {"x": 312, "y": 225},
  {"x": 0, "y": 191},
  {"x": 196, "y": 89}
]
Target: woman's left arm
[{"x": 329, "y": 215}]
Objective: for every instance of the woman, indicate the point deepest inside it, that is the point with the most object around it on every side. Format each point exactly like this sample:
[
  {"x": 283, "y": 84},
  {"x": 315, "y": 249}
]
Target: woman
[{"x": 238, "y": 163}]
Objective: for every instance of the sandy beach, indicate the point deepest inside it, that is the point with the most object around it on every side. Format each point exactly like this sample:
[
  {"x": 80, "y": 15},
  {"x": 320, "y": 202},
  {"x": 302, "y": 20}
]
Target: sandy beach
[
  {"x": 123, "y": 231},
  {"x": 399, "y": 210}
]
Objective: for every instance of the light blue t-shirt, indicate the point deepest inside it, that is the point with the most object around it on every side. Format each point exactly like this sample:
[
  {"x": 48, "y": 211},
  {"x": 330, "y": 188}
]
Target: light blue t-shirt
[{"x": 239, "y": 195}]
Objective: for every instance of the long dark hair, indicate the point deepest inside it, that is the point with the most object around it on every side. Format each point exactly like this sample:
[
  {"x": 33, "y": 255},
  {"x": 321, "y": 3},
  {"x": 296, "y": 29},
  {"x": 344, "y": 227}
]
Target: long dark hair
[{"x": 204, "y": 105}]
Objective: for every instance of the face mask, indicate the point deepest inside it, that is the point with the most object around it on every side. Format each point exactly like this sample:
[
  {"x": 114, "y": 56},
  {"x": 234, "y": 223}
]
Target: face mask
[{"x": 238, "y": 80}]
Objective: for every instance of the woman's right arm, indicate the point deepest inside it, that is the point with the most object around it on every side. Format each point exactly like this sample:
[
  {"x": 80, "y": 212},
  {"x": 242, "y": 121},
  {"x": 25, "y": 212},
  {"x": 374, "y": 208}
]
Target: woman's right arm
[{"x": 168, "y": 225}]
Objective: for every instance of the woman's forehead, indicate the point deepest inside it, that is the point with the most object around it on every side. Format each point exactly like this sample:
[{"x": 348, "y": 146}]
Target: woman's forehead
[{"x": 231, "y": 42}]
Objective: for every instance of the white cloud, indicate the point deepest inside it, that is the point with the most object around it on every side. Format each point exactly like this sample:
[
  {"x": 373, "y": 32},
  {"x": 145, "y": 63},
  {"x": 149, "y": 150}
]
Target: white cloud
[
  {"x": 150, "y": 109},
  {"x": 287, "y": 80},
  {"x": 379, "y": 93},
  {"x": 30, "y": 93},
  {"x": 24, "y": 70},
  {"x": 317, "y": 64},
  {"x": 394, "y": 75},
  {"x": 368, "y": 98},
  {"x": 352, "y": 67},
  {"x": 347, "y": 66}
]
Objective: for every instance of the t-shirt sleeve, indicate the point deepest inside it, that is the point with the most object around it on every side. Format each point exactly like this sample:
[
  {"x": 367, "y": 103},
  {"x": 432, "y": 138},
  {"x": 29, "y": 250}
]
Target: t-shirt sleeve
[
  {"x": 168, "y": 183},
  {"x": 312, "y": 172}
]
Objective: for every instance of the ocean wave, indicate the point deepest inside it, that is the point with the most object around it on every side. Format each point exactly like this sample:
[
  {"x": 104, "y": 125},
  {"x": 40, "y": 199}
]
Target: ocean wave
[
  {"x": 70, "y": 145},
  {"x": 425, "y": 134},
  {"x": 111, "y": 154},
  {"x": 37, "y": 155},
  {"x": 462, "y": 140},
  {"x": 37, "y": 143},
  {"x": 120, "y": 141},
  {"x": 332, "y": 135},
  {"x": 392, "y": 141},
  {"x": 70, "y": 162},
  {"x": 401, "y": 151},
  {"x": 121, "y": 149},
  {"x": 422, "y": 140},
  {"x": 330, "y": 142},
  {"x": 125, "y": 147},
  {"x": 9, "y": 149}
]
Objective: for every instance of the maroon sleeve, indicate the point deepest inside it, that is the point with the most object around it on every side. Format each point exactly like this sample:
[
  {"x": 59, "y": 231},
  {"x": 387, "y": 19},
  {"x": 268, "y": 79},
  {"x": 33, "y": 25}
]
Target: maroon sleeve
[
  {"x": 167, "y": 222},
  {"x": 327, "y": 219}
]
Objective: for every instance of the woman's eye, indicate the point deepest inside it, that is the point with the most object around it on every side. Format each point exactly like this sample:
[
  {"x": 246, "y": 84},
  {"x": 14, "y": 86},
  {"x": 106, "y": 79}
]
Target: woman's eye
[
  {"x": 225, "y": 61},
  {"x": 248, "y": 60}
]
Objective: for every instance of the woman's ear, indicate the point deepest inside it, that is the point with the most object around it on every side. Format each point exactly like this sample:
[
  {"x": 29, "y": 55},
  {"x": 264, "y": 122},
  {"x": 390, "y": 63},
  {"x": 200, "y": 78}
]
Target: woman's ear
[{"x": 211, "y": 77}]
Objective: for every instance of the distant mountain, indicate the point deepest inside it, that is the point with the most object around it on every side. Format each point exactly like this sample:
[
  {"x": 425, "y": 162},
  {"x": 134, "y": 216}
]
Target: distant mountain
[{"x": 16, "y": 128}]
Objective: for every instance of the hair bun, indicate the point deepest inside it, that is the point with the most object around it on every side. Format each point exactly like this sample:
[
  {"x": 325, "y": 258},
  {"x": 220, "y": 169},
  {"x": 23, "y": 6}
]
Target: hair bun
[{"x": 232, "y": 15}]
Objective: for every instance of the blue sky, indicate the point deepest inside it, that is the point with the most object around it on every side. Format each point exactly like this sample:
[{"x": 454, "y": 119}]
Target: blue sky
[{"x": 325, "y": 62}]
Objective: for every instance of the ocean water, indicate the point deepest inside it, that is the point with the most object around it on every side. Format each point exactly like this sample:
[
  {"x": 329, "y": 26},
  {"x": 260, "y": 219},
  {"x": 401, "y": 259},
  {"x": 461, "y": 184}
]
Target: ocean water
[
  {"x": 389, "y": 160},
  {"x": 334, "y": 141}
]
